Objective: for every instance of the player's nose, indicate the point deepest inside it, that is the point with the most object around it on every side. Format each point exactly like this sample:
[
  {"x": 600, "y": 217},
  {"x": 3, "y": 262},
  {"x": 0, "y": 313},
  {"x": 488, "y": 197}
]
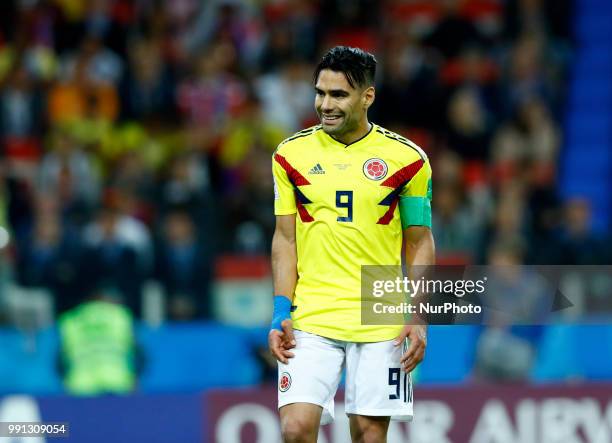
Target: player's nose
[{"x": 326, "y": 104}]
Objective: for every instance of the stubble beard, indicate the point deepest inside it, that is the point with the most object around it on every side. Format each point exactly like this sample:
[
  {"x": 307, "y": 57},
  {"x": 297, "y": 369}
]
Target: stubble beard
[{"x": 338, "y": 131}]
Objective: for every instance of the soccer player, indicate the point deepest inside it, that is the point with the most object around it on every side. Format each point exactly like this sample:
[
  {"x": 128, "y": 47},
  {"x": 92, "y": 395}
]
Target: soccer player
[{"x": 347, "y": 193}]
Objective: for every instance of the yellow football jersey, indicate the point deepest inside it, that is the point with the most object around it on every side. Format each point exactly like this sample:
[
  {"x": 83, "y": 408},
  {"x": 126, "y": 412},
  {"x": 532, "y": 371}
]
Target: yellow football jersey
[{"x": 346, "y": 201}]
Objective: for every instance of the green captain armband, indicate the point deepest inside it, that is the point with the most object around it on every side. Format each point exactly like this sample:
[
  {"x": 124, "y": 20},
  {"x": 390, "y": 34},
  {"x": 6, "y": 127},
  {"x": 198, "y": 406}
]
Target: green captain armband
[{"x": 415, "y": 211}]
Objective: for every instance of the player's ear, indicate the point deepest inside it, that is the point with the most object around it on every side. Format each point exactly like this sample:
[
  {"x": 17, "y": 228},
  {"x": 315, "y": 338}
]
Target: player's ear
[{"x": 368, "y": 97}]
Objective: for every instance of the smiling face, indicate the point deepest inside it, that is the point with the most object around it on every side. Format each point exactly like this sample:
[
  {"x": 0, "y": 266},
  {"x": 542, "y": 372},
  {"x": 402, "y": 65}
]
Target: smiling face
[{"x": 342, "y": 108}]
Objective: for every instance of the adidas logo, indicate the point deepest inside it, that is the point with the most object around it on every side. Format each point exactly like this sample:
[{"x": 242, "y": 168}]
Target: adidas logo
[{"x": 317, "y": 169}]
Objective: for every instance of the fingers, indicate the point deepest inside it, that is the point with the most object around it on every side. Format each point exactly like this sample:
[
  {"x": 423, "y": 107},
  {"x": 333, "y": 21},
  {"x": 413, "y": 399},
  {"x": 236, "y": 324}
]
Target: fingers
[
  {"x": 416, "y": 351},
  {"x": 409, "y": 354},
  {"x": 275, "y": 344},
  {"x": 413, "y": 357},
  {"x": 289, "y": 338},
  {"x": 278, "y": 347},
  {"x": 279, "y": 354},
  {"x": 282, "y": 354}
]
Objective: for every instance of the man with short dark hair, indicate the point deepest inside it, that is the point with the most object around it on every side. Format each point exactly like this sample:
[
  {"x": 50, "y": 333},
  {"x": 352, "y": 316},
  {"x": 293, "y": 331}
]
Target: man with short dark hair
[{"x": 348, "y": 193}]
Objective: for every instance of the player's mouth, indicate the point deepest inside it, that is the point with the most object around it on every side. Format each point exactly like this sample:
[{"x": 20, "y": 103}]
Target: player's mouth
[{"x": 330, "y": 119}]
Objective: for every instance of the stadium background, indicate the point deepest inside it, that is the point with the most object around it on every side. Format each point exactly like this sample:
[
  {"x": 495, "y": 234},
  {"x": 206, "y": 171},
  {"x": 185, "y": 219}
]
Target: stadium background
[{"x": 135, "y": 142}]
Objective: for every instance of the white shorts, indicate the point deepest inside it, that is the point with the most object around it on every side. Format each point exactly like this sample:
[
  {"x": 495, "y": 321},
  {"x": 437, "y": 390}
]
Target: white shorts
[{"x": 375, "y": 383}]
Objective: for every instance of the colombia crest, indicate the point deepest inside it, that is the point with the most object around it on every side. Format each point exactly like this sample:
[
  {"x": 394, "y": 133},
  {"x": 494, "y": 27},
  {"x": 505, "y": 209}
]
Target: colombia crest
[
  {"x": 284, "y": 382},
  {"x": 375, "y": 169}
]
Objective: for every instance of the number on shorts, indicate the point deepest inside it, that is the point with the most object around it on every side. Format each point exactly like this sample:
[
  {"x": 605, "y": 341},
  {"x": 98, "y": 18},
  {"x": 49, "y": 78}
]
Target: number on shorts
[{"x": 395, "y": 378}]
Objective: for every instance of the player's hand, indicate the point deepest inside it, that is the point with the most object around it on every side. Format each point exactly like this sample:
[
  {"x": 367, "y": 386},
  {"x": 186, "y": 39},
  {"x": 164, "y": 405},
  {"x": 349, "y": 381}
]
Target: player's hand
[
  {"x": 280, "y": 342},
  {"x": 417, "y": 336}
]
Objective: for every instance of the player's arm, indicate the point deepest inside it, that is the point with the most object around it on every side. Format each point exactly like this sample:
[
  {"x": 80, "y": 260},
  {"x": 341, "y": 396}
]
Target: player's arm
[
  {"x": 284, "y": 265},
  {"x": 419, "y": 245},
  {"x": 284, "y": 256},
  {"x": 284, "y": 272},
  {"x": 420, "y": 251}
]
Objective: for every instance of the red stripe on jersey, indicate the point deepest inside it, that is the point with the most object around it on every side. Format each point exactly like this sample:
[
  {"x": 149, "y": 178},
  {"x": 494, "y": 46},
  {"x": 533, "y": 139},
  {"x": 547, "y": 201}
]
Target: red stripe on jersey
[
  {"x": 304, "y": 215},
  {"x": 385, "y": 219},
  {"x": 397, "y": 181},
  {"x": 294, "y": 176},
  {"x": 404, "y": 175}
]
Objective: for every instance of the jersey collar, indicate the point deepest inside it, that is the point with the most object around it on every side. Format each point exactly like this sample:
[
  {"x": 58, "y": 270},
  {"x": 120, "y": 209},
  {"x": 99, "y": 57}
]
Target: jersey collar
[{"x": 338, "y": 144}]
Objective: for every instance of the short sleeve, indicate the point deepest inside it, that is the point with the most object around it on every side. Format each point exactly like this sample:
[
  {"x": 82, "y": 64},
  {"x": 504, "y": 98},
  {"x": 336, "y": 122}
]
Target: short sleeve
[
  {"x": 284, "y": 194},
  {"x": 415, "y": 199}
]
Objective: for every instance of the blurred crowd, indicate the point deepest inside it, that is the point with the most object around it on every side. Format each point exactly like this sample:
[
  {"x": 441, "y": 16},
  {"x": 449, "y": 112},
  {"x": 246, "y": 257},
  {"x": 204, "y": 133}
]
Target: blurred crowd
[{"x": 135, "y": 135}]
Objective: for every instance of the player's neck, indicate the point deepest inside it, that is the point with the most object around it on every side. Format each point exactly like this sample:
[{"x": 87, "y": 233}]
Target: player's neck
[{"x": 355, "y": 135}]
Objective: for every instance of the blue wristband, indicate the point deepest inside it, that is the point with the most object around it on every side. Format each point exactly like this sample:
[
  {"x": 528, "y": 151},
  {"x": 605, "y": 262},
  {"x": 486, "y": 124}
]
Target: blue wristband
[{"x": 282, "y": 311}]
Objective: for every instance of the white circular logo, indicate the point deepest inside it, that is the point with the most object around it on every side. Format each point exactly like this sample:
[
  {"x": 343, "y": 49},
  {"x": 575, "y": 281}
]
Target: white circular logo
[
  {"x": 284, "y": 382},
  {"x": 375, "y": 169}
]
